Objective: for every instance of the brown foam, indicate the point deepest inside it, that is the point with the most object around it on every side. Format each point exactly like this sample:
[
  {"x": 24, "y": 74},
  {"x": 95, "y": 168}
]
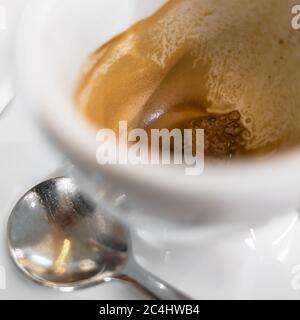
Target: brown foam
[{"x": 196, "y": 60}]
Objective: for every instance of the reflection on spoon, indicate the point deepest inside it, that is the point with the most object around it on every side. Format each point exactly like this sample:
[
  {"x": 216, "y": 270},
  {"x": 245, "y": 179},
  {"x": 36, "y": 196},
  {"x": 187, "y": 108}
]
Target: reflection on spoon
[{"x": 60, "y": 239}]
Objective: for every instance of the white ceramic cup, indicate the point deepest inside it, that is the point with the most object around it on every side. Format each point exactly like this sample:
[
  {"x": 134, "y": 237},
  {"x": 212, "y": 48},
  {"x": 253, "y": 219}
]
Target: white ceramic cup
[
  {"x": 9, "y": 13},
  {"x": 54, "y": 38}
]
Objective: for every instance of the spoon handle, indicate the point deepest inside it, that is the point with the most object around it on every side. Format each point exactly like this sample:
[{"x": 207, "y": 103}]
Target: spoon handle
[{"x": 149, "y": 284}]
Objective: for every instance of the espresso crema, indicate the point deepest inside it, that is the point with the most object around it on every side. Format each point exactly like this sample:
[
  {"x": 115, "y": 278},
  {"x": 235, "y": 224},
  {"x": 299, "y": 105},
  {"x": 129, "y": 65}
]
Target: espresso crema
[{"x": 230, "y": 67}]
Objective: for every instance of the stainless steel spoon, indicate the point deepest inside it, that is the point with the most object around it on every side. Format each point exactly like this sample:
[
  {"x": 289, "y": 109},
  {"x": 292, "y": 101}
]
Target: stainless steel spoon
[{"x": 59, "y": 238}]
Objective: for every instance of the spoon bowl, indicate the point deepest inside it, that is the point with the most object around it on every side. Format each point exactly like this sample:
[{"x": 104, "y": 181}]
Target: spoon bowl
[{"x": 59, "y": 238}]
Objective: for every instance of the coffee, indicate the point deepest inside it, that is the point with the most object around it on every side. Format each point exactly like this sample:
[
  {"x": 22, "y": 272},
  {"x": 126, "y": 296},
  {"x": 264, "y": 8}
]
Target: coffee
[{"x": 229, "y": 67}]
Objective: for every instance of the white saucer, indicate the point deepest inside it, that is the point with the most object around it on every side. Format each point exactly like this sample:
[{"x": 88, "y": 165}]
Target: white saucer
[{"x": 226, "y": 264}]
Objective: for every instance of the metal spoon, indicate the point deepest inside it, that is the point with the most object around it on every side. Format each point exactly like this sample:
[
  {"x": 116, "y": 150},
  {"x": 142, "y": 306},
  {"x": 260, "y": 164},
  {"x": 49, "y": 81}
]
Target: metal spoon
[{"x": 60, "y": 239}]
